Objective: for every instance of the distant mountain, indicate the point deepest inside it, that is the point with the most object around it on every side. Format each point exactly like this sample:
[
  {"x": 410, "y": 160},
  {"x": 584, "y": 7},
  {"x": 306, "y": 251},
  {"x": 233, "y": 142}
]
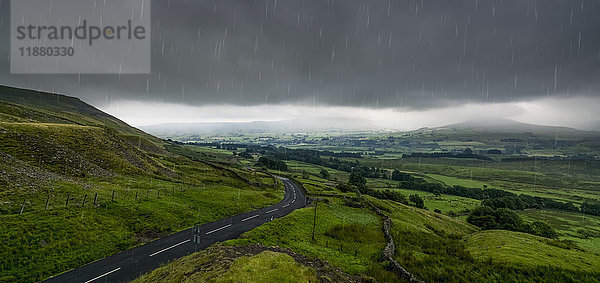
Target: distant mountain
[
  {"x": 499, "y": 125},
  {"x": 286, "y": 126}
]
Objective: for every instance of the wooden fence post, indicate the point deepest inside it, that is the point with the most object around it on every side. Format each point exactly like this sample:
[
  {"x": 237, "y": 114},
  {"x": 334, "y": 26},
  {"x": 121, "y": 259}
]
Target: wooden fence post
[
  {"x": 47, "y": 202},
  {"x": 314, "y": 222},
  {"x": 22, "y": 207}
]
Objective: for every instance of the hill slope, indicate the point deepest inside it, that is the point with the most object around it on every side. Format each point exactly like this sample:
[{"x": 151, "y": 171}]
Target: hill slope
[
  {"x": 77, "y": 185},
  {"x": 21, "y": 105},
  {"x": 509, "y": 126}
]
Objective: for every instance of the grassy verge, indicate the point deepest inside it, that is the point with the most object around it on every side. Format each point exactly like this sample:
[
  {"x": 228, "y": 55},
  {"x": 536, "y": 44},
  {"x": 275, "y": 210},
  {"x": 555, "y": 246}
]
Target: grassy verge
[
  {"x": 40, "y": 243},
  {"x": 347, "y": 237}
]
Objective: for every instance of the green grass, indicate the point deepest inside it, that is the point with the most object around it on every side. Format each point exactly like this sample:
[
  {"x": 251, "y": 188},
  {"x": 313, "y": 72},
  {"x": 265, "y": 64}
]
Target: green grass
[
  {"x": 445, "y": 203},
  {"x": 300, "y": 167},
  {"x": 551, "y": 173},
  {"x": 453, "y": 181},
  {"x": 53, "y": 151},
  {"x": 49, "y": 146},
  {"x": 527, "y": 250},
  {"x": 217, "y": 265},
  {"x": 336, "y": 240},
  {"x": 41, "y": 243},
  {"x": 579, "y": 228},
  {"x": 437, "y": 248},
  {"x": 268, "y": 267}
]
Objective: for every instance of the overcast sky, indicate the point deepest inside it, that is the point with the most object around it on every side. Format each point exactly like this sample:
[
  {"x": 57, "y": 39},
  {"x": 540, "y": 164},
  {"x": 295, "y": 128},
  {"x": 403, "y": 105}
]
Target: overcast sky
[{"x": 520, "y": 59}]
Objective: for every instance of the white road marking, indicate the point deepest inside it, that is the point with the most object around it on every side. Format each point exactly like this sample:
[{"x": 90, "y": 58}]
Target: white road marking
[
  {"x": 218, "y": 229},
  {"x": 286, "y": 205},
  {"x": 271, "y": 211},
  {"x": 107, "y": 273},
  {"x": 170, "y": 247},
  {"x": 250, "y": 218}
]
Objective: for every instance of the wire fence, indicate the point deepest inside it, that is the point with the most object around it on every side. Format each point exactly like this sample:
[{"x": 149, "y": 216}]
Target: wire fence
[{"x": 92, "y": 199}]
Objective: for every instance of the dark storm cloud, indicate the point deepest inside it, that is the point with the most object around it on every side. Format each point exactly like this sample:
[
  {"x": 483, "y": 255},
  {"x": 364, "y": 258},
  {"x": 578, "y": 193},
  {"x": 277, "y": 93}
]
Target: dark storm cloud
[{"x": 418, "y": 54}]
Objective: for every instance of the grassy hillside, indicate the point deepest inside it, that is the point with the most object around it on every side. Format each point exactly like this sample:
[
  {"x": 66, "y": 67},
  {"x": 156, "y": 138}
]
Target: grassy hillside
[
  {"x": 432, "y": 246},
  {"x": 21, "y": 105},
  {"x": 528, "y": 250},
  {"x": 247, "y": 264},
  {"x": 77, "y": 185}
]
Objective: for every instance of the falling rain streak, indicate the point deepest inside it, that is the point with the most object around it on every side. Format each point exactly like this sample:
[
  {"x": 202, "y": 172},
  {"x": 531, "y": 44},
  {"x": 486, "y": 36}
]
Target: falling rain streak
[{"x": 406, "y": 55}]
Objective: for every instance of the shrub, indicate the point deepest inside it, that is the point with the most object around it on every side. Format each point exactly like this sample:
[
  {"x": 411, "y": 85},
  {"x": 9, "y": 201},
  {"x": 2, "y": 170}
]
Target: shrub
[
  {"x": 325, "y": 174},
  {"x": 272, "y": 163},
  {"x": 488, "y": 218},
  {"x": 417, "y": 200},
  {"x": 357, "y": 179},
  {"x": 246, "y": 155}
]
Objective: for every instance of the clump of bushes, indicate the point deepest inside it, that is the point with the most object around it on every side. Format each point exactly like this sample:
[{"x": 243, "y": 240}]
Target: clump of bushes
[
  {"x": 272, "y": 163},
  {"x": 488, "y": 218},
  {"x": 245, "y": 155},
  {"x": 417, "y": 201}
]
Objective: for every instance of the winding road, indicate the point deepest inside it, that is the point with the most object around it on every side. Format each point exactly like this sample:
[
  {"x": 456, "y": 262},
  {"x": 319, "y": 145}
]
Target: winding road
[{"x": 130, "y": 264}]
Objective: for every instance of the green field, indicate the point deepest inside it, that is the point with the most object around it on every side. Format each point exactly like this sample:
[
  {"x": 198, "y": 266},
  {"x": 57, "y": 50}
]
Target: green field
[
  {"x": 77, "y": 185},
  {"x": 346, "y": 237},
  {"x": 527, "y": 250},
  {"x": 445, "y": 203},
  {"x": 582, "y": 229},
  {"x": 432, "y": 246}
]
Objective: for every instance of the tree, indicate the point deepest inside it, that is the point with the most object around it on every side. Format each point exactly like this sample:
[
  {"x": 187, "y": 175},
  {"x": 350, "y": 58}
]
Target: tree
[
  {"x": 589, "y": 208},
  {"x": 246, "y": 155},
  {"x": 508, "y": 220},
  {"x": 487, "y": 218},
  {"x": 357, "y": 180},
  {"x": 483, "y": 217},
  {"x": 399, "y": 176},
  {"x": 272, "y": 163},
  {"x": 417, "y": 200},
  {"x": 305, "y": 174},
  {"x": 343, "y": 187},
  {"x": 325, "y": 174},
  {"x": 542, "y": 229}
]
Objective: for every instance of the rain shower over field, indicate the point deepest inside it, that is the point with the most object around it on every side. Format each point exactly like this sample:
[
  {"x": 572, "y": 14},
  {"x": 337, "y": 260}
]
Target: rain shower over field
[{"x": 414, "y": 59}]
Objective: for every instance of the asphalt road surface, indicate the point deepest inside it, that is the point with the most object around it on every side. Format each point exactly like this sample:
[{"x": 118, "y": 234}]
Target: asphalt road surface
[{"x": 130, "y": 264}]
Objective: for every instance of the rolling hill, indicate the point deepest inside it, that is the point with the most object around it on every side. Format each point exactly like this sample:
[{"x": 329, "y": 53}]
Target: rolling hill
[
  {"x": 77, "y": 185},
  {"x": 502, "y": 126}
]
